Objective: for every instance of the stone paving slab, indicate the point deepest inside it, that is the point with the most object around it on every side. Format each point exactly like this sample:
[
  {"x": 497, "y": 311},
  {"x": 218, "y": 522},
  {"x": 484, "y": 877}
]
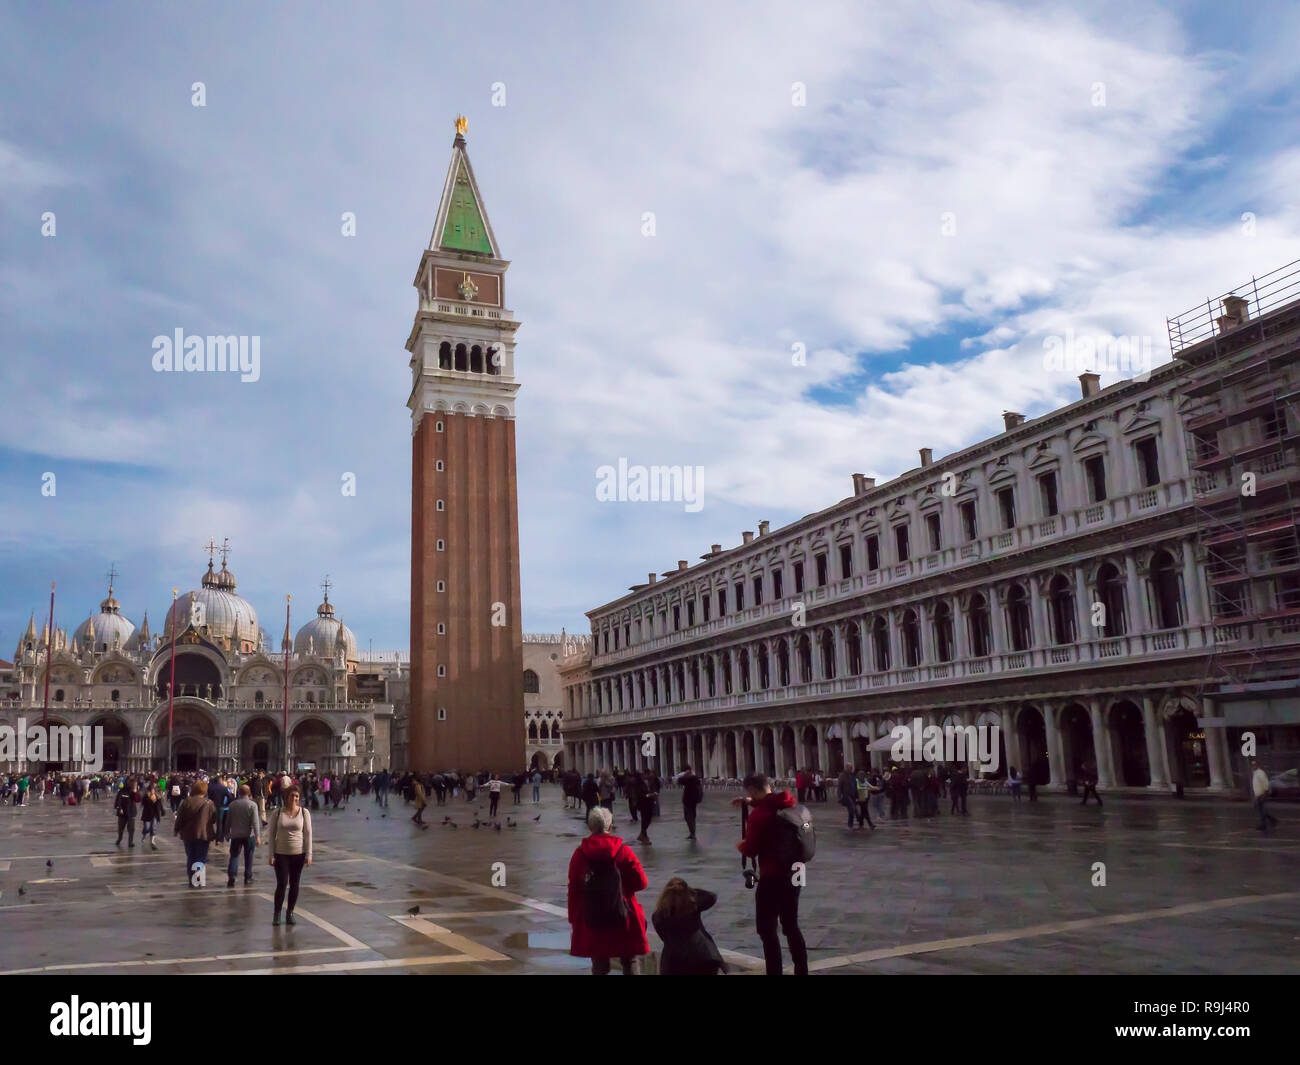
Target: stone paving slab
[{"x": 1191, "y": 888}]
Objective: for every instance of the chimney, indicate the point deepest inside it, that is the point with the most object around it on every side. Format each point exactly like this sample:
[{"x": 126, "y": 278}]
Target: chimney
[
  {"x": 927, "y": 456},
  {"x": 763, "y": 526},
  {"x": 747, "y": 537},
  {"x": 1011, "y": 419},
  {"x": 859, "y": 483},
  {"x": 715, "y": 549},
  {"x": 681, "y": 564},
  {"x": 652, "y": 578},
  {"x": 1089, "y": 384},
  {"x": 1236, "y": 313}
]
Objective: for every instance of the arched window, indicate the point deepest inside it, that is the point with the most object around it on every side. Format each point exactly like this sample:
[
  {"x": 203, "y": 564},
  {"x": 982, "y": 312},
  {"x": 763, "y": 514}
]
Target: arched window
[
  {"x": 476, "y": 359},
  {"x": 258, "y": 698},
  {"x": 1110, "y": 593},
  {"x": 494, "y": 357},
  {"x": 462, "y": 357},
  {"x": 880, "y": 643},
  {"x": 1022, "y": 632},
  {"x": 804, "y": 650},
  {"x": 532, "y": 731},
  {"x": 1165, "y": 592},
  {"x": 1060, "y": 597},
  {"x": 853, "y": 638},
  {"x": 726, "y": 672},
  {"x": 58, "y": 696},
  {"x": 744, "y": 670},
  {"x": 911, "y": 639},
  {"x": 943, "y": 631},
  {"x": 783, "y": 663},
  {"x": 546, "y": 732},
  {"x": 828, "y": 654},
  {"x": 981, "y": 630},
  {"x": 116, "y": 695},
  {"x": 310, "y": 697},
  {"x": 532, "y": 684},
  {"x": 444, "y": 356}
]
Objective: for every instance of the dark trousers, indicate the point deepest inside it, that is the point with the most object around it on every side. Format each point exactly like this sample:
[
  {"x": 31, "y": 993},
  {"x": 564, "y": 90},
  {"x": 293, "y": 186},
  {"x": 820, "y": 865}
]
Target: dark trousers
[
  {"x": 126, "y": 823},
  {"x": 1033, "y": 791},
  {"x": 864, "y": 814},
  {"x": 631, "y": 966},
  {"x": 1090, "y": 788},
  {"x": 196, "y": 853},
  {"x": 1265, "y": 818},
  {"x": 688, "y": 811},
  {"x": 776, "y": 899},
  {"x": 288, "y": 872},
  {"x": 647, "y": 809},
  {"x": 244, "y": 846},
  {"x": 493, "y": 802},
  {"x": 958, "y": 800}
]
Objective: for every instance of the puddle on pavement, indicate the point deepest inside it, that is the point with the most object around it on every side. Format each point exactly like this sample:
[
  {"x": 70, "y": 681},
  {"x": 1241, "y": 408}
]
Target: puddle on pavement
[
  {"x": 359, "y": 883},
  {"x": 539, "y": 940}
]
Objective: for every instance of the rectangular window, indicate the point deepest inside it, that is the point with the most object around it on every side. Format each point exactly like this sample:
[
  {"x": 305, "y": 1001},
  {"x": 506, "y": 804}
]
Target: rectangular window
[
  {"x": 1148, "y": 456},
  {"x": 969, "y": 526},
  {"x": 740, "y": 595},
  {"x": 690, "y": 613},
  {"x": 616, "y": 639},
  {"x": 1274, "y": 425},
  {"x": 821, "y": 570},
  {"x": 627, "y": 635},
  {"x": 846, "y": 561},
  {"x": 798, "y": 578},
  {"x": 722, "y": 602},
  {"x": 1047, "y": 492},
  {"x": 758, "y": 591},
  {"x": 708, "y": 606},
  {"x": 901, "y": 543},
  {"x": 607, "y": 641},
  {"x": 873, "y": 553},
  {"x": 1094, "y": 469},
  {"x": 1007, "y": 507},
  {"x": 933, "y": 531},
  {"x": 778, "y": 592},
  {"x": 677, "y": 618}
]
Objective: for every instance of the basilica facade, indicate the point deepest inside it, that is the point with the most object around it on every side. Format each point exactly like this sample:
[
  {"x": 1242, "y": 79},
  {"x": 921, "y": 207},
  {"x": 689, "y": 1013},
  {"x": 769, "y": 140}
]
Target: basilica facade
[{"x": 217, "y": 701}]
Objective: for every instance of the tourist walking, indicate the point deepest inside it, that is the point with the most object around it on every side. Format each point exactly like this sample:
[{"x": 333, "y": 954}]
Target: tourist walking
[
  {"x": 590, "y": 793},
  {"x": 647, "y": 801},
  {"x": 1013, "y": 779},
  {"x": 849, "y": 793},
  {"x": 864, "y": 800},
  {"x": 494, "y": 795},
  {"x": 151, "y": 812},
  {"x": 125, "y": 806},
  {"x": 382, "y": 782},
  {"x": 607, "y": 920},
  {"x": 196, "y": 824},
  {"x": 537, "y": 786},
  {"x": 776, "y": 898},
  {"x": 243, "y": 822},
  {"x": 692, "y": 796},
  {"x": 606, "y": 789},
  {"x": 1089, "y": 773},
  {"x": 1260, "y": 789},
  {"x": 689, "y": 950},
  {"x": 421, "y": 801},
  {"x": 290, "y": 839},
  {"x": 958, "y": 785}
]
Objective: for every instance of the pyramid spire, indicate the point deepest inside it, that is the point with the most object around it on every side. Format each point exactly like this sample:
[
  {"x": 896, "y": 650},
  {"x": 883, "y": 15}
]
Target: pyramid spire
[{"x": 462, "y": 223}]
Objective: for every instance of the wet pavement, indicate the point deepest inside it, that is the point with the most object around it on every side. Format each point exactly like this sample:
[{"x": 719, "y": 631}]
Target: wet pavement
[{"x": 1190, "y": 887}]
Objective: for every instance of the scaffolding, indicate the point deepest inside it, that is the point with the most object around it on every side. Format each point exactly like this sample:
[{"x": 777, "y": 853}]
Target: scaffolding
[{"x": 1242, "y": 427}]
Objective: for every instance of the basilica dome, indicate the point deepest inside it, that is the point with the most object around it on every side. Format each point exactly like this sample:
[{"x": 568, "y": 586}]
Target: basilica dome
[
  {"x": 318, "y": 636},
  {"x": 105, "y": 630},
  {"x": 228, "y": 616}
]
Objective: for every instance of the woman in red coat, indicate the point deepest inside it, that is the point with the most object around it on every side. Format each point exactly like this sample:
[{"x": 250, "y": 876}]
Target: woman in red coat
[{"x": 603, "y": 871}]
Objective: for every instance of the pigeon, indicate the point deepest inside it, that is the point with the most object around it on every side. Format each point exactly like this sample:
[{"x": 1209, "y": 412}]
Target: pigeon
[
  {"x": 413, "y": 910},
  {"x": 538, "y": 817},
  {"x": 22, "y": 891},
  {"x": 49, "y": 864},
  {"x": 451, "y": 824},
  {"x": 498, "y": 826},
  {"x": 477, "y": 822},
  {"x": 423, "y": 827}
]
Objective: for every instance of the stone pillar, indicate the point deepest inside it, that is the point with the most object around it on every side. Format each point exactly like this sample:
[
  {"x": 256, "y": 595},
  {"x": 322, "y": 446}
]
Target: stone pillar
[
  {"x": 1055, "y": 754},
  {"x": 1006, "y": 717},
  {"x": 1100, "y": 746},
  {"x": 1042, "y": 635},
  {"x": 823, "y": 749},
  {"x": 1193, "y": 615},
  {"x": 1215, "y": 748},
  {"x": 1155, "y": 738},
  {"x": 1137, "y": 619},
  {"x": 1082, "y": 608},
  {"x": 997, "y": 622},
  {"x": 960, "y": 635},
  {"x": 846, "y": 743}
]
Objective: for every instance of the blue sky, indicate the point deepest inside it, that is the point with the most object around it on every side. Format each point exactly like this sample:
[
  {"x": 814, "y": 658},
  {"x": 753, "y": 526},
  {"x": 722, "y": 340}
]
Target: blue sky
[{"x": 776, "y": 224}]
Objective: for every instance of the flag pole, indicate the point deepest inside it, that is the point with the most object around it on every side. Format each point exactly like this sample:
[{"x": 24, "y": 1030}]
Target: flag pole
[
  {"x": 171, "y": 685},
  {"x": 287, "y": 767},
  {"x": 49, "y": 660}
]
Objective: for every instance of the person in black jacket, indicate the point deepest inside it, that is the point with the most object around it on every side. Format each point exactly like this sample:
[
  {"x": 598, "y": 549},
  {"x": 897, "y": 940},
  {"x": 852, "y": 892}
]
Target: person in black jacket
[
  {"x": 692, "y": 793},
  {"x": 125, "y": 808},
  {"x": 689, "y": 950},
  {"x": 151, "y": 811}
]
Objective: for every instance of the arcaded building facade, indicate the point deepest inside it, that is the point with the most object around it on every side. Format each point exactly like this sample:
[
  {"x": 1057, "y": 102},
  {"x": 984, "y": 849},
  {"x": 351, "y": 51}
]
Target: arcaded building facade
[{"x": 1094, "y": 581}]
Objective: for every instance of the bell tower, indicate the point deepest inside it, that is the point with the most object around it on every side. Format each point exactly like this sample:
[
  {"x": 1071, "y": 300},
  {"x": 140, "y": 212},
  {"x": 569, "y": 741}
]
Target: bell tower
[{"x": 467, "y": 699}]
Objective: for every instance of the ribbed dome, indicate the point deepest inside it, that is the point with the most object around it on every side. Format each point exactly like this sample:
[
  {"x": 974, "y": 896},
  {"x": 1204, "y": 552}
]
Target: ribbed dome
[
  {"x": 320, "y": 634},
  {"x": 100, "y": 632},
  {"x": 223, "y": 610}
]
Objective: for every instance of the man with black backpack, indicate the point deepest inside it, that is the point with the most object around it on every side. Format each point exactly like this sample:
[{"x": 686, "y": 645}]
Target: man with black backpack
[
  {"x": 780, "y": 835},
  {"x": 692, "y": 794}
]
